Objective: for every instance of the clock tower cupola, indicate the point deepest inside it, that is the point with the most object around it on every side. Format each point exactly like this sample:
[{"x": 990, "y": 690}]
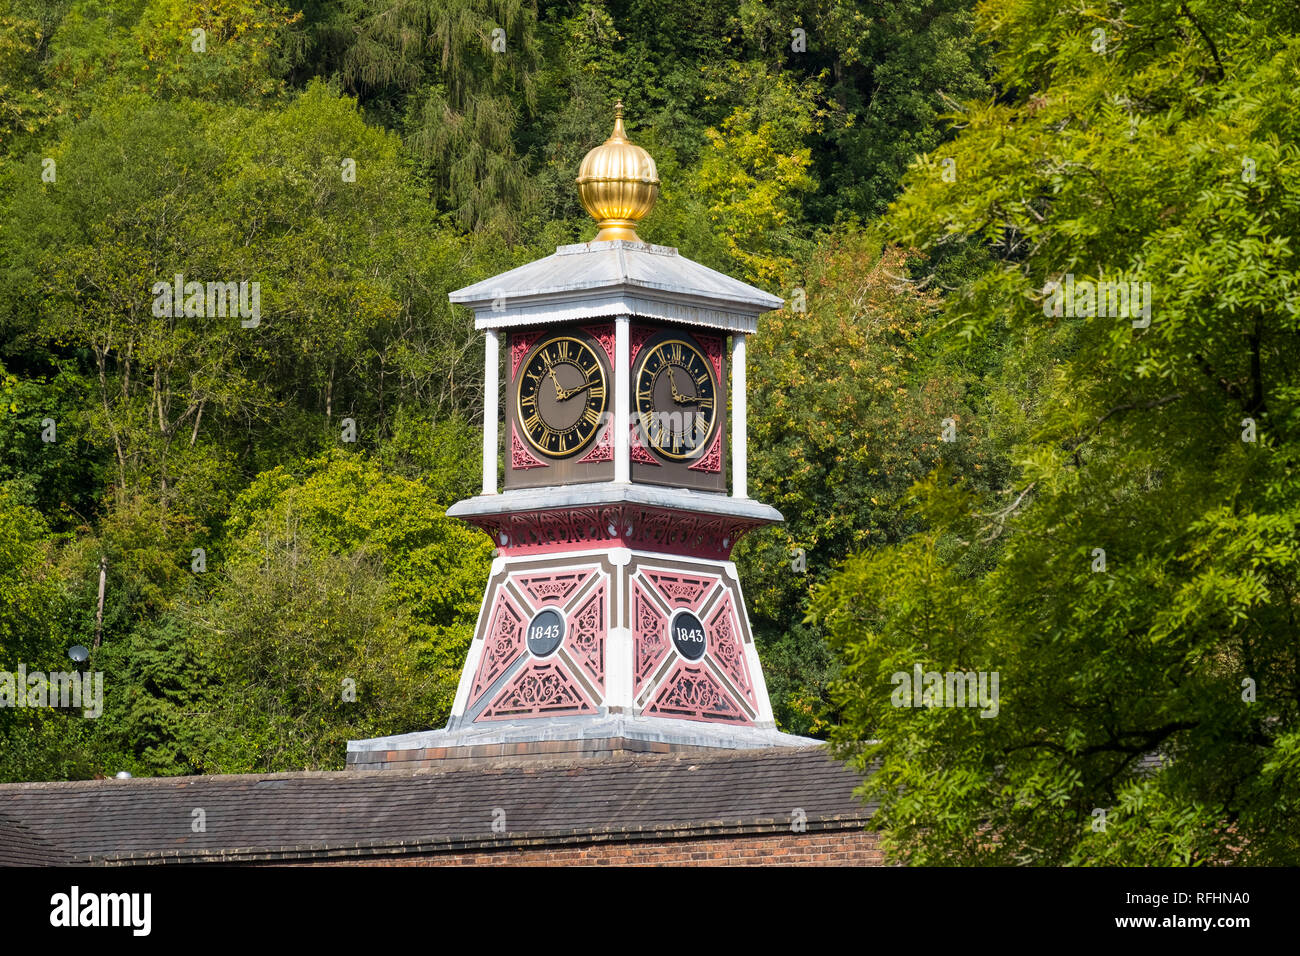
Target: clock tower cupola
[{"x": 614, "y": 489}]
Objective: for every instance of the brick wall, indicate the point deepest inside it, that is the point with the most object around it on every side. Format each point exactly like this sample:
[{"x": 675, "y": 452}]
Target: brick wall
[{"x": 854, "y": 847}]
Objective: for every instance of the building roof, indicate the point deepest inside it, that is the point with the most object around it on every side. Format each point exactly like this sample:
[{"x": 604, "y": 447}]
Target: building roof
[
  {"x": 618, "y": 277},
  {"x": 20, "y": 846},
  {"x": 337, "y": 815}
]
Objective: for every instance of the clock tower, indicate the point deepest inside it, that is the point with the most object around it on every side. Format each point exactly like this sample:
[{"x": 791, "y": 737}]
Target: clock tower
[{"x": 613, "y": 619}]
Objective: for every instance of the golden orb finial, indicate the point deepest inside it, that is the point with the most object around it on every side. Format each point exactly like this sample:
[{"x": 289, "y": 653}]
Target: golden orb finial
[{"x": 618, "y": 184}]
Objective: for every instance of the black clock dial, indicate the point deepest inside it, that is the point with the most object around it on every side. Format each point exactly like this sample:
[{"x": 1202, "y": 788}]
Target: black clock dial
[
  {"x": 676, "y": 398},
  {"x": 561, "y": 396}
]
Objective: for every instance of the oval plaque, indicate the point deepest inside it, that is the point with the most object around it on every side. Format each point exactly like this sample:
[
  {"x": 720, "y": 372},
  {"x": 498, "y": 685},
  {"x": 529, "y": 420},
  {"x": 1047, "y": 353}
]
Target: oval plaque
[
  {"x": 688, "y": 635},
  {"x": 545, "y": 632}
]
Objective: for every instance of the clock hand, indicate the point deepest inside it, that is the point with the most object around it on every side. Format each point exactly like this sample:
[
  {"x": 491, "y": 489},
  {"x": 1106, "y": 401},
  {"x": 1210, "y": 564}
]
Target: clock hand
[
  {"x": 678, "y": 397},
  {"x": 559, "y": 389},
  {"x": 570, "y": 392},
  {"x": 672, "y": 380}
]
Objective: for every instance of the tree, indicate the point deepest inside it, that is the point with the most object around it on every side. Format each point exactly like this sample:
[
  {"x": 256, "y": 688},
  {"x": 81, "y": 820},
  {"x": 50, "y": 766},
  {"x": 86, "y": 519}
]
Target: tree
[
  {"x": 31, "y": 605},
  {"x": 1133, "y": 583},
  {"x": 351, "y": 277},
  {"x": 458, "y": 77},
  {"x": 848, "y": 411},
  {"x": 345, "y": 578}
]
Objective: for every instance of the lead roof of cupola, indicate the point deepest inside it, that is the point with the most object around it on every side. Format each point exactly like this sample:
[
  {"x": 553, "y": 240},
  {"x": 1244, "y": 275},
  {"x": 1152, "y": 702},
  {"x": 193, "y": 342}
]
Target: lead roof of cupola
[{"x": 596, "y": 279}]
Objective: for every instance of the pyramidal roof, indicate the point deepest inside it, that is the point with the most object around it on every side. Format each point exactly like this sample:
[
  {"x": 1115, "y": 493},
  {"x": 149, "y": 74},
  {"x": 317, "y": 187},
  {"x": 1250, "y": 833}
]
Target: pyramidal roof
[{"x": 615, "y": 277}]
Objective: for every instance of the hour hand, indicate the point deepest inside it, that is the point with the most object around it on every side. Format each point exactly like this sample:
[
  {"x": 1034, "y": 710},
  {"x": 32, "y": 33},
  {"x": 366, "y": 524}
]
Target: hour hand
[
  {"x": 570, "y": 392},
  {"x": 678, "y": 397},
  {"x": 560, "y": 394}
]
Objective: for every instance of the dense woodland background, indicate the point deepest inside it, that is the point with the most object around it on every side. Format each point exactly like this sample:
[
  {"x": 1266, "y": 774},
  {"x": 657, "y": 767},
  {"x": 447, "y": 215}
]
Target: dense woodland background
[{"x": 906, "y": 174}]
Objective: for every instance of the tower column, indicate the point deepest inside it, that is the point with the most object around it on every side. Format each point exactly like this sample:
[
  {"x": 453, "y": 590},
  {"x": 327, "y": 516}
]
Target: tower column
[
  {"x": 739, "y": 426},
  {"x": 622, "y": 389},
  {"x": 491, "y": 389}
]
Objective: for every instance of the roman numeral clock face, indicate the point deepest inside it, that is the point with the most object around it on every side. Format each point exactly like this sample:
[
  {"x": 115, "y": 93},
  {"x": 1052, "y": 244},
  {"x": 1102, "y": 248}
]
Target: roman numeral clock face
[
  {"x": 562, "y": 396},
  {"x": 676, "y": 398}
]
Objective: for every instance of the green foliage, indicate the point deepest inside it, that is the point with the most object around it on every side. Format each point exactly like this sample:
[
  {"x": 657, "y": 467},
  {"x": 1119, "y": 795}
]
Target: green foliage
[
  {"x": 60, "y": 476},
  {"x": 349, "y": 276},
  {"x": 161, "y": 701},
  {"x": 29, "y": 592},
  {"x": 33, "y": 742},
  {"x": 458, "y": 89},
  {"x": 754, "y": 172},
  {"x": 281, "y": 640},
  {"x": 848, "y": 411},
  {"x": 1127, "y": 161},
  {"x": 371, "y": 577},
  {"x": 228, "y": 163}
]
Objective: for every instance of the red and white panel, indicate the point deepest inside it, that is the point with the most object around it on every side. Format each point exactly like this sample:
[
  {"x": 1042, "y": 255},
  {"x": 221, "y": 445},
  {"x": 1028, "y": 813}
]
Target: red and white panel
[
  {"x": 716, "y": 687},
  {"x": 569, "y": 680}
]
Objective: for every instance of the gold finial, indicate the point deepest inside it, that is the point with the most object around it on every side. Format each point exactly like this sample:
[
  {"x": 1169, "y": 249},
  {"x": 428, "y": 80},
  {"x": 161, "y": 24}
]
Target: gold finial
[{"x": 618, "y": 184}]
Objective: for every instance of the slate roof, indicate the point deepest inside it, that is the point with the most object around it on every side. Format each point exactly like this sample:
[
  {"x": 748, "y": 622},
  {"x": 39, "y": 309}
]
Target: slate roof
[
  {"x": 268, "y": 817},
  {"x": 20, "y": 846},
  {"x": 621, "y": 277}
]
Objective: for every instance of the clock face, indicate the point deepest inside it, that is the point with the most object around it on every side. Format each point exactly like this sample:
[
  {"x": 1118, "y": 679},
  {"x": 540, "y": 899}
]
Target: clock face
[
  {"x": 561, "y": 395},
  {"x": 676, "y": 398}
]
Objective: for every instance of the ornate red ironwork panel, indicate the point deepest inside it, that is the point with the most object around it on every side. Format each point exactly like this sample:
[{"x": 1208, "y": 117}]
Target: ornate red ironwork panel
[
  {"x": 632, "y": 526},
  {"x": 555, "y": 587},
  {"x": 520, "y": 457},
  {"x": 520, "y": 343},
  {"x": 503, "y": 644},
  {"x": 713, "y": 348},
  {"x": 587, "y": 629},
  {"x": 604, "y": 334},
  {"x": 638, "y": 336},
  {"x": 727, "y": 650},
  {"x": 690, "y": 692},
  {"x": 640, "y": 453},
  {"x": 540, "y": 689},
  {"x": 650, "y": 636},
  {"x": 682, "y": 590},
  {"x": 603, "y": 450},
  {"x": 711, "y": 460}
]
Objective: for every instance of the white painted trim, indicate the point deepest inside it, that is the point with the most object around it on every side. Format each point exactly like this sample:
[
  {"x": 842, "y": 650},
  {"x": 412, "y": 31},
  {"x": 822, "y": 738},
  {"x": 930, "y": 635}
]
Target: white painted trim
[
  {"x": 621, "y": 398},
  {"x": 491, "y": 396},
  {"x": 618, "y": 659},
  {"x": 739, "y": 415},
  {"x": 520, "y": 313},
  {"x": 603, "y": 493}
]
